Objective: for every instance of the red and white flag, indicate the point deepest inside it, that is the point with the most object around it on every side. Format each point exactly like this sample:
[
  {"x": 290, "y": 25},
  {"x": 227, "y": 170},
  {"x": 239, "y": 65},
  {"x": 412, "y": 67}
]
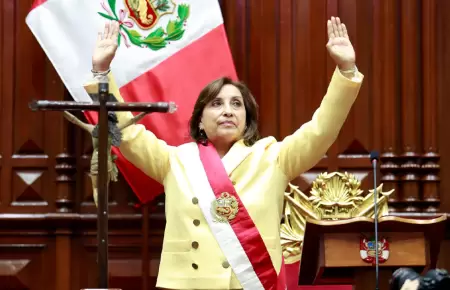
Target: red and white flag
[{"x": 168, "y": 51}]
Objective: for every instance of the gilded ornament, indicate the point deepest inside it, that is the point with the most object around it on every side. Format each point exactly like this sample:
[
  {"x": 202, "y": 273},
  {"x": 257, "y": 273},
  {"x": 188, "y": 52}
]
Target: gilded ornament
[
  {"x": 224, "y": 208},
  {"x": 333, "y": 196}
]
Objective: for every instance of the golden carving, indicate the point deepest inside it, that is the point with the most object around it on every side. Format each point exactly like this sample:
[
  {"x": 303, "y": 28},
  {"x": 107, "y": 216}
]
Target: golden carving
[{"x": 334, "y": 196}]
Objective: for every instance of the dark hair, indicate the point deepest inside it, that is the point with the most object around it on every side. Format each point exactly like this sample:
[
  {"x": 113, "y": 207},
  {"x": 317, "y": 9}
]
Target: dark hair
[
  {"x": 113, "y": 130},
  {"x": 434, "y": 279},
  {"x": 400, "y": 276},
  {"x": 209, "y": 93}
]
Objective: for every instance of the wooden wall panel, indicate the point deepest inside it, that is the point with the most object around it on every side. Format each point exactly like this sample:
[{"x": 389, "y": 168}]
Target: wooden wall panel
[
  {"x": 396, "y": 114},
  {"x": 443, "y": 102},
  {"x": 403, "y": 49}
]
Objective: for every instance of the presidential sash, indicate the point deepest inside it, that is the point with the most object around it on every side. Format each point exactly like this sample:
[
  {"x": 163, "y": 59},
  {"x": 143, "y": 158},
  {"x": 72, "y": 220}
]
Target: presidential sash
[{"x": 229, "y": 221}]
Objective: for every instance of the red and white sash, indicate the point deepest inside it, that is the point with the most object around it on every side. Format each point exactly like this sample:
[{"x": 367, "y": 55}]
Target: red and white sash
[{"x": 234, "y": 230}]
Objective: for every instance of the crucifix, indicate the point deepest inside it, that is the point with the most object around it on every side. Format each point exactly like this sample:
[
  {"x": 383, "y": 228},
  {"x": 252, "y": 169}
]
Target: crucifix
[{"x": 104, "y": 135}]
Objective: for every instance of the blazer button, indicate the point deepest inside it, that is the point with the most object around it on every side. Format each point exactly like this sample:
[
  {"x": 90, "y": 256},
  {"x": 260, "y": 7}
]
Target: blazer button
[
  {"x": 196, "y": 223},
  {"x": 194, "y": 200},
  {"x": 225, "y": 264},
  {"x": 195, "y": 245},
  {"x": 234, "y": 182},
  {"x": 195, "y": 266}
]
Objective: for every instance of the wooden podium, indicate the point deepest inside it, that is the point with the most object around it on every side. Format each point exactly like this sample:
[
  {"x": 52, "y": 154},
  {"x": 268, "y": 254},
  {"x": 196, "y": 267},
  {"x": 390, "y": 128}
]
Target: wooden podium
[{"x": 333, "y": 251}]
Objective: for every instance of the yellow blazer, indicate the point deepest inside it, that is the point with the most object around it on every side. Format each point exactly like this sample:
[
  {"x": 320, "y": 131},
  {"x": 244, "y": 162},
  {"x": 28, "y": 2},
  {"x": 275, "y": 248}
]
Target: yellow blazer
[{"x": 191, "y": 258}]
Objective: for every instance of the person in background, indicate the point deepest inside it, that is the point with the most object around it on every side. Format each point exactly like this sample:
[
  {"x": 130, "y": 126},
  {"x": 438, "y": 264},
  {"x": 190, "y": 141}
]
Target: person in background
[{"x": 408, "y": 279}]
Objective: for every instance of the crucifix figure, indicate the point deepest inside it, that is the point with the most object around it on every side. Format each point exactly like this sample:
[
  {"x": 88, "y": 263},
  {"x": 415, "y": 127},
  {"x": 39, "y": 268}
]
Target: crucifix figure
[
  {"x": 114, "y": 139},
  {"x": 104, "y": 135}
]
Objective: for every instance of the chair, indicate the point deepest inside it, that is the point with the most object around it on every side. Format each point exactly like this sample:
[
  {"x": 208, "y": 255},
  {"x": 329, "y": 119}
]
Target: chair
[{"x": 333, "y": 196}]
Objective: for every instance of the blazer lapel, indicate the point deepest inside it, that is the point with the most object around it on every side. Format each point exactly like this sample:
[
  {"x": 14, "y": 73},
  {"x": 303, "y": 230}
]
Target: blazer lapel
[{"x": 238, "y": 152}]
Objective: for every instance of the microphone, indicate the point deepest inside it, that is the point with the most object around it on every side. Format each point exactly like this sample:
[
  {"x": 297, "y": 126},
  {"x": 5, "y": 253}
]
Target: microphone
[{"x": 374, "y": 158}]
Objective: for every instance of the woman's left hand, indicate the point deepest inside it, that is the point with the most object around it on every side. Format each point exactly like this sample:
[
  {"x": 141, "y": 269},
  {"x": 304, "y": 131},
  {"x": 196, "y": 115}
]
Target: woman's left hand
[{"x": 339, "y": 45}]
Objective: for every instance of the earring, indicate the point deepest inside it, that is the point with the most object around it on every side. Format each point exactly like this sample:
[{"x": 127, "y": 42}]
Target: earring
[{"x": 203, "y": 137}]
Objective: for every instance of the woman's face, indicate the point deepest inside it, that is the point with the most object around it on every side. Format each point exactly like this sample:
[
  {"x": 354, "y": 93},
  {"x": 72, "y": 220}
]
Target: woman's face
[{"x": 224, "y": 117}]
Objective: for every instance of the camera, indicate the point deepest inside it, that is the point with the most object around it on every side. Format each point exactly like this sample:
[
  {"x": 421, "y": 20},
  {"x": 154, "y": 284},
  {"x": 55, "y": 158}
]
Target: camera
[
  {"x": 436, "y": 279},
  {"x": 407, "y": 278}
]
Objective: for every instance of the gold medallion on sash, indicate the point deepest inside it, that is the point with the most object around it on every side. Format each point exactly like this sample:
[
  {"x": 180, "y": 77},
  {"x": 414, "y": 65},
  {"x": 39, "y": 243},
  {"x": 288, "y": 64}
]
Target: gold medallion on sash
[{"x": 224, "y": 208}]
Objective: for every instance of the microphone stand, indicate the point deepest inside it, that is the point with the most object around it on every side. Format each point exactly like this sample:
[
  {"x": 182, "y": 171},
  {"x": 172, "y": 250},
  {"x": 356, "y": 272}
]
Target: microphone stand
[{"x": 374, "y": 158}]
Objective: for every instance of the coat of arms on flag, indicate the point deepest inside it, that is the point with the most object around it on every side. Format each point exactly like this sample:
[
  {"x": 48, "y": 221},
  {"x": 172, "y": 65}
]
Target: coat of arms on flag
[
  {"x": 145, "y": 14},
  {"x": 367, "y": 250}
]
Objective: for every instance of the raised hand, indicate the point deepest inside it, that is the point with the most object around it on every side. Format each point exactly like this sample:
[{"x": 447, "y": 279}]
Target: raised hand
[
  {"x": 339, "y": 45},
  {"x": 105, "y": 47}
]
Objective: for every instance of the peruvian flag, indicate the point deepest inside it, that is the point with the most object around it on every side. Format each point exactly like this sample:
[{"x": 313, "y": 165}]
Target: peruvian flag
[{"x": 168, "y": 51}]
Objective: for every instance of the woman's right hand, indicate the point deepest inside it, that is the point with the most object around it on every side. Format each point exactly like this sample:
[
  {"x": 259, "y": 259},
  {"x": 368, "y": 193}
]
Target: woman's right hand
[{"x": 105, "y": 47}]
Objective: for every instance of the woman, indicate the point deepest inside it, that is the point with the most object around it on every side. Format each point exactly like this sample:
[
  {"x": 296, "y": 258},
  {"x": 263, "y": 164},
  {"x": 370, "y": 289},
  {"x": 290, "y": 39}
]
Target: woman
[{"x": 224, "y": 191}]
